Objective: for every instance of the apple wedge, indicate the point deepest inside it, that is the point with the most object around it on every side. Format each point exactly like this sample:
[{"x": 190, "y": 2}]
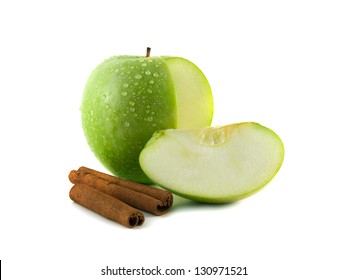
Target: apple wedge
[{"x": 214, "y": 164}]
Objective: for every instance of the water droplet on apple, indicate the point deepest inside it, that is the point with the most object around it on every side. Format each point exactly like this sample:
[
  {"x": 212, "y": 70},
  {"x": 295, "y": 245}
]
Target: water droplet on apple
[
  {"x": 138, "y": 76},
  {"x": 124, "y": 93},
  {"x": 132, "y": 109},
  {"x": 144, "y": 64},
  {"x": 125, "y": 85},
  {"x": 155, "y": 74},
  {"x": 127, "y": 124},
  {"x": 103, "y": 96},
  {"x": 92, "y": 112},
  {"x": 151, "y": 82},
  {"x": 148, "y": 72},
  {"x": 131, "y": 103},
  {"x": 149, "y": 90}
]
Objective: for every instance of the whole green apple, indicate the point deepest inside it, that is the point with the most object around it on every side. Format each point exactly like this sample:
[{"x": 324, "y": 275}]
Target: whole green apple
[{"x": 127, "y": 98}]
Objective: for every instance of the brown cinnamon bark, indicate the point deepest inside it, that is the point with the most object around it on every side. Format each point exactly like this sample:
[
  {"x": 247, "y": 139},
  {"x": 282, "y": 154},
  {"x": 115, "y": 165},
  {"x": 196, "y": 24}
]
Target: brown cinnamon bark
[
  {"x": 106, "y": 205},
  {"x": 164, "y": 196},
  {"x": 147, "y": 198}
]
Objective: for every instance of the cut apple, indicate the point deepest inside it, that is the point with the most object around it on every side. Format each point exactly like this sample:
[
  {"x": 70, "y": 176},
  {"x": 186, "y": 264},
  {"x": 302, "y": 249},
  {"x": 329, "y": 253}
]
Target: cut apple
[
  {"x": 214, "y": 164},
  {"x": 127, "y": 98}
]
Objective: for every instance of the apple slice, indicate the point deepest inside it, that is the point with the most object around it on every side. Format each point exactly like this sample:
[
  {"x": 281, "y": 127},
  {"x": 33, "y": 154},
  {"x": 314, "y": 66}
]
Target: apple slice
[{"x": 214, "y": 164}]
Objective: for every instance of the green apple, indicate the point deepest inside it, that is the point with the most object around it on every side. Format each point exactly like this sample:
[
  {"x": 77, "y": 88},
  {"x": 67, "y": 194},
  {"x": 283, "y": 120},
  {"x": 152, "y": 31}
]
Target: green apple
[
  {"x": 214, "y": 164},
  {"x": 127, "y": 98}
]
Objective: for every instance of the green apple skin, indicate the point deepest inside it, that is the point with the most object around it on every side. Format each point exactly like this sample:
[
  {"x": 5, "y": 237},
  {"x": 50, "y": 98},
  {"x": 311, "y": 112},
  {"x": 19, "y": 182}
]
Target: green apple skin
[
  {"x": 127, "y": 98},
  {"x": 215, "y": 164}
]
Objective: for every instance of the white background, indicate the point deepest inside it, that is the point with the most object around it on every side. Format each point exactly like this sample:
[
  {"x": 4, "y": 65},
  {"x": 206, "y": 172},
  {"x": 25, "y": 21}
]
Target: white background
[{"x": 280, "y": 63}]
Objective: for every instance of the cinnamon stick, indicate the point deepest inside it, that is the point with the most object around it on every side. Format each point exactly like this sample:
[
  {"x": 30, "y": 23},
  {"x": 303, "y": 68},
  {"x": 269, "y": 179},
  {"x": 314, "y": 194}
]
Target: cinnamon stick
[
  {"x": 164, "y": 196},
  {"x": 106, "y": 205},
  {"x": 147, "y": 198}
]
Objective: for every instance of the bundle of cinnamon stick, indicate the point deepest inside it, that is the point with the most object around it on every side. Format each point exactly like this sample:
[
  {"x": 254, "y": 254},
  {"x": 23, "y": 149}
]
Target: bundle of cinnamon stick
[{"x": 117, "y": 199}]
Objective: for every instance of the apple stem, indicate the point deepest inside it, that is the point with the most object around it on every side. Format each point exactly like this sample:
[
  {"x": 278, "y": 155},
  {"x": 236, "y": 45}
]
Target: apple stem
[{"x": 148, "y": 52}]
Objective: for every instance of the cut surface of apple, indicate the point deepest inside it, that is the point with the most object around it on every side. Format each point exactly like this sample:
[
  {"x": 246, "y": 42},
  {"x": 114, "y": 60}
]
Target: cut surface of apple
[
  {"x": 193, "y": 93},
  {"x": 214, "y": 164}
]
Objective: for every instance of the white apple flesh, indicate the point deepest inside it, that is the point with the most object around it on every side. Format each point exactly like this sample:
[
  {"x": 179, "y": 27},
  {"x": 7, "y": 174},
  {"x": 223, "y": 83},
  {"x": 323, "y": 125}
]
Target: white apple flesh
[{"x": 215, "y": 164}]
